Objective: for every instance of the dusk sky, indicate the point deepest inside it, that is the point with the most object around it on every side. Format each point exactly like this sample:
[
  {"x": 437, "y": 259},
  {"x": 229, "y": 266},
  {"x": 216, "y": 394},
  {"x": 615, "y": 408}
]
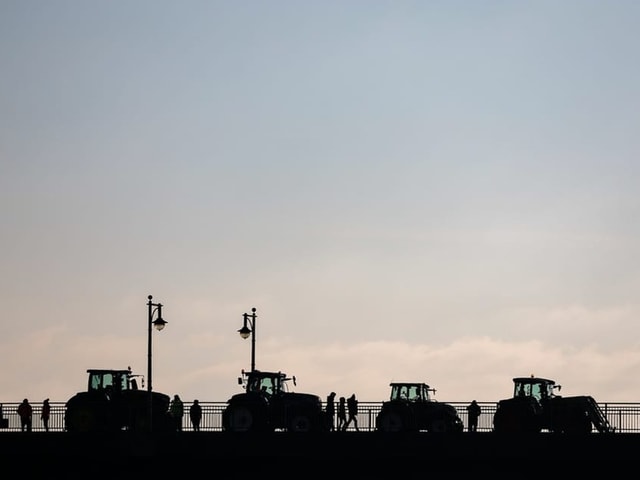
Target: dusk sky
[{"x": 437, "y": 191}]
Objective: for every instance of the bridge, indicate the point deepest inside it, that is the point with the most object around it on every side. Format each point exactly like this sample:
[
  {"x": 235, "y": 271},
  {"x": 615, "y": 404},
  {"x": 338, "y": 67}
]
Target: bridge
[
  {"x": 623, "y": 416},
  {"x": 367, "y": 453}
]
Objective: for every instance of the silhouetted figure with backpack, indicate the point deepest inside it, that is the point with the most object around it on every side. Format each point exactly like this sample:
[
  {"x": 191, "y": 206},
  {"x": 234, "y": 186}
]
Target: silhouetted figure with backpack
[
  {"x": 176, "y": 410},
  {"x": 352, "y": 409}
]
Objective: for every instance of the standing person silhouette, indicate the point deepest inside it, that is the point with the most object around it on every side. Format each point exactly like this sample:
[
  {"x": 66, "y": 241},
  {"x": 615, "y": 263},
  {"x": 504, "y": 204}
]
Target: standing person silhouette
[
  {"x": 26, "y": 412},
  {"x": 46, "y": 413},
  {"x": 474, "y": 410},
  {"x": 352, "y": 409},
  {"x": 176, "y": 409},
  {"x": 195, "y": 413},
  {"x": 342, "y": 414},
  {"x": 330, "y": 409}
]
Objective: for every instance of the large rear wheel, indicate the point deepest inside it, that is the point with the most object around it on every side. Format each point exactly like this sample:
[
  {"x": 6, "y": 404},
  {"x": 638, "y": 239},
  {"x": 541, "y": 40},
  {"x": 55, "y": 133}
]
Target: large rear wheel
[
  {"x": 439, "y": 425},
  {"x": 82, "y": 419},
  {"x": 240, "y": 418},
  {"x": 300, "y": 423},
  {"x": 391, "y": 422}
]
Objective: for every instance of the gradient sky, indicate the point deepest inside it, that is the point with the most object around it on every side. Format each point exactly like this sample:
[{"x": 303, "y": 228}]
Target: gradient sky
[{"x": 436, "y": 191}]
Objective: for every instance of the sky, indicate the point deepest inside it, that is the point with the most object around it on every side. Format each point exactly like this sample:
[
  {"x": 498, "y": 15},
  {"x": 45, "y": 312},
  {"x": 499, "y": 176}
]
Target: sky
[{"x": 429, "y": 191}]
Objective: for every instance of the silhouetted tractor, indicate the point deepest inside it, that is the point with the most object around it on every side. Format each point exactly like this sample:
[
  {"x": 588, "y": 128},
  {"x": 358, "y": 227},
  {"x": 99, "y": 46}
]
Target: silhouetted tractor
[
  {"x": 411, "y": 409},
  {"x": 113, "y": 402},
  {"x": 267, "y": 405},
  {"x": 535, "y": 407}
]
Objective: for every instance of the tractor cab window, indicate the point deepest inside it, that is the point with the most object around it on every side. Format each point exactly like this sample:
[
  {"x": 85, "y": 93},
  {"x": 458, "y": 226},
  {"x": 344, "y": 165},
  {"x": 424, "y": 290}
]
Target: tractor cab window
[
  {"x": 114, "y": 381},
  {"x": 110, "y": 383},
  {"x": 536, "y": 390},
  {"x": 266, "y": 386},
  {"x": 404, "y": 392},
  {"x": 395, "y": 392},
  {"x": 100, "y": 381},
  {"x": 284, "y": 385},
  {"x": 399, "y": 392},
  {"x": 121, "y": 382},
  {"x": 540, "y": 390},
  {"x": 95, "y": 382},
  {"x": 523, "y": 390},
  {"x": 546, "y": 390},
  {"x": 253, "y": 385},
  {"x": 416, "y": 395},
  {"x": 106, "y": 381}
]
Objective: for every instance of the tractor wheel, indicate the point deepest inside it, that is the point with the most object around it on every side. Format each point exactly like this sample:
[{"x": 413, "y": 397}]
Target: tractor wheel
[
  {"x": 439, "y": 425},
  {"x": 391, "y": 422},
  {"x": 82, "y": 420},
  {"x": 300, "y": 423},
  {"x": 239, "y": 418},
  {"x": 506, "y": 422}
]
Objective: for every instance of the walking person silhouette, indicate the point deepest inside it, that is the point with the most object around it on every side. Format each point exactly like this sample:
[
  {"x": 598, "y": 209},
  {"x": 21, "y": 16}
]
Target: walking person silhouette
[
  {"x": 330, "y": 410},
  {"x": 46, "y": 413},
  {"x": 342, "y": 414},
  {"x": 352, "y": 409}
]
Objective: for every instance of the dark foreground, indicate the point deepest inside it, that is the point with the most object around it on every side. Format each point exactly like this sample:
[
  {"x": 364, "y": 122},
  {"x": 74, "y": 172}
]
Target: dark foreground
[{"x": 528, "y": 455}]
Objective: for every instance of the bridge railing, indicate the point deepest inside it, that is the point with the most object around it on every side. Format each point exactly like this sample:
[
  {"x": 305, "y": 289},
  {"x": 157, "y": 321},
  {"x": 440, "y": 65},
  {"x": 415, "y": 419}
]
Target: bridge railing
[{"x": 623, "y": 416}]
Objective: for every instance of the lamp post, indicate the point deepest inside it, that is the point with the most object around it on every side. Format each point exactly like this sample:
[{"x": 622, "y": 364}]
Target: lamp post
[
  {"x": 249, "y": 328},
  {"x": 159, "y": 324}
]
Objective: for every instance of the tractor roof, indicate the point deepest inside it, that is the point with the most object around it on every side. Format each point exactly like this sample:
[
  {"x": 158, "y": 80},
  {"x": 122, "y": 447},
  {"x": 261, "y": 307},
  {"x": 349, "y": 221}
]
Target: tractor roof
[
  {"x": 261, "y": 373},
  {"x": 533, "y": 379},
  {"x": 107, "y": 370},
  {"x": 409, "y": 384}
]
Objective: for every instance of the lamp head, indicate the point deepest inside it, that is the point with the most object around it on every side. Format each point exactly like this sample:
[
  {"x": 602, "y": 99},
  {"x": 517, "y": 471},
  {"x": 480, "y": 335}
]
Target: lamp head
[
  {"x": 159, "y": 323},
  {"x": 245, "y": 332}
]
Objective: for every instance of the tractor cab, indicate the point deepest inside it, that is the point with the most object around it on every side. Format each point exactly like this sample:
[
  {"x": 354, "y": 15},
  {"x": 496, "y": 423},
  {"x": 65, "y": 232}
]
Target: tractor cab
[
  {"x": 535, "y": 387},
  {"x": 111, "y": 380},
  {"x": 266, "y": 383},
  {"x": 413, "y": 392}
]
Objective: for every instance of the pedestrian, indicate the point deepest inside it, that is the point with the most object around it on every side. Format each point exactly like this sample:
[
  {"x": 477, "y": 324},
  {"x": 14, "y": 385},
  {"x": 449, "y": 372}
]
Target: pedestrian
[
  {"x": 352, "y": 410},
  {"x": 474, "y": 411},
  {"x": 195, "y": 413},
  {"x": 46, "y": 412},
  {"x": 330, "y": 410},
  {"x": 26, "y": 412},
  {"x": 176, "y": 410},
  {"x": 342, "y": 413}
]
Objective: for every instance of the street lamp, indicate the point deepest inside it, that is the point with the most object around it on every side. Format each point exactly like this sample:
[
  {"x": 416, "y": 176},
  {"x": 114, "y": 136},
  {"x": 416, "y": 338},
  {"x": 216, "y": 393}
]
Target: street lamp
[
  {"x": 249, "y": 328},
  {"x": 159, "y": 324}
]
